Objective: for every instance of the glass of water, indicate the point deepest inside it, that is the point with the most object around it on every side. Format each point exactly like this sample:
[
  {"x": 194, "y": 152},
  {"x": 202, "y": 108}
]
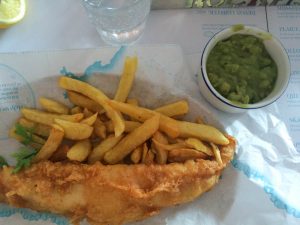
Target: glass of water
[{"x": 119, "y": 22}]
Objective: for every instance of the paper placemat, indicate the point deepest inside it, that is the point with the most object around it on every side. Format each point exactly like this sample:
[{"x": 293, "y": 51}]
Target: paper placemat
[{"x": 235, "y": 200}]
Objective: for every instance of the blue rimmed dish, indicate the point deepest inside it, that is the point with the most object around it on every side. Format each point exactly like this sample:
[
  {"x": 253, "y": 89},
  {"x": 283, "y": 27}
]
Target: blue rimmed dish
[{"x": 276, "y": 51}]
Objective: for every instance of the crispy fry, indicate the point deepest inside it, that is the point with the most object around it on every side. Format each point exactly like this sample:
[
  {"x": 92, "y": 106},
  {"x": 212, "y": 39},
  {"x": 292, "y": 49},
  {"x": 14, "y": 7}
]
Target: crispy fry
[
  {"x": 37, "y": 128},
  {"x": 100, "y": 129},
  {"x": 199, "y": 146},
  {"x": 166, "y": 124},
  {"x": 161, "y": 154},
  {"x": 75, "y": 131},
  {"x": 100, "y": 150},
  {"x": 179, "y": 140},
  {"x": 90, "y": 120},
  {"x": 174, "y": 109},
  {"x": 87, "y": 113},
  {"x": 133, "y": 101},
  {"x": 60, "y": 154},
  {"x": 84, "y": 102},
  {"x": 169, "y": 147},
  {"x": 53, "y": 106},
  {"x": 117, "y": 118},
  {"x": 127, "y": 79},
  {"x": 136, "y": 155},
  {"x": 110, "y": 126},
  {"x": 149, "y": 158},
  {"x": 138, "y": 113},
  {"x": 174, "y": 141},
  {"x": 54, "y": 140},
  {"x": 217, "y": 154},
  {"x": 144, "y": 152},
  {"x": 174, "y": 128},
  {"x": 183, "y": 154},
  {"x": 97, "y": 96},
  {"x": 75, "y": 110},
  {"x": 48, "y": 118},
  {"x": 80, "y": 151},
  {"x": 133, "y": 140},
  {"x": 203, "y": 132},
  {"x": 158, "y": 136},
  {"x": 129, "y": 125}
]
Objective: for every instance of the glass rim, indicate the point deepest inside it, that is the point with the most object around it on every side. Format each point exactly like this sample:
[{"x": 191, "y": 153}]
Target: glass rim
[{"x": 113, "y": 9}]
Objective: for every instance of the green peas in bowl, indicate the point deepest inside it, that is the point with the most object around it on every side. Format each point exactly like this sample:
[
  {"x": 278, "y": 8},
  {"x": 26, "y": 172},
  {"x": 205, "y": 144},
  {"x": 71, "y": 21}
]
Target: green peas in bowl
[{"x": 244, "y": 68}]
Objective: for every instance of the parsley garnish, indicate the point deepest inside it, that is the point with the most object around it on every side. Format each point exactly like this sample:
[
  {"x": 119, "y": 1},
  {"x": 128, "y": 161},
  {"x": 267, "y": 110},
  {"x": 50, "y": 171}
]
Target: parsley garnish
[
  {"x": 25, "y": 154},
  {"x": 3, "y": 162},
  {"x": 26, "y": 134},
  {"x": 24, "y": 158}
]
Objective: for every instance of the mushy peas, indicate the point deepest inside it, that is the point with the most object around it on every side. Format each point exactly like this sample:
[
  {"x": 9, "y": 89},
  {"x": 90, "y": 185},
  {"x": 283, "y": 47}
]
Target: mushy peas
[{"x": 241, "y": 69}]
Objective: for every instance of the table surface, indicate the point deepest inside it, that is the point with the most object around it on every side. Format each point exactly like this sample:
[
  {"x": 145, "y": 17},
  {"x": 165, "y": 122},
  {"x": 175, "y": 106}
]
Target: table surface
[{"x": 60, "y": 25}]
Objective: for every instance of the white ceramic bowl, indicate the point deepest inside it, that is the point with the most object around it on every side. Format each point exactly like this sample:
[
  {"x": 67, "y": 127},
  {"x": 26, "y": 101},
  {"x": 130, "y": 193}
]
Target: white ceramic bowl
[{"x": 276, "y": 51}]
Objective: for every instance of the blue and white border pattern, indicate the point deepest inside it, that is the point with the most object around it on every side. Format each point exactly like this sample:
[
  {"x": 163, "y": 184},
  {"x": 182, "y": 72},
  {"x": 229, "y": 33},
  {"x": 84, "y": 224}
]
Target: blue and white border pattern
[{"x": 267, "y": 186}]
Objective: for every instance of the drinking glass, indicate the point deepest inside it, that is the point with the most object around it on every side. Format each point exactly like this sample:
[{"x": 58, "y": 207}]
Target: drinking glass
[{"x": 119, "y": 22}]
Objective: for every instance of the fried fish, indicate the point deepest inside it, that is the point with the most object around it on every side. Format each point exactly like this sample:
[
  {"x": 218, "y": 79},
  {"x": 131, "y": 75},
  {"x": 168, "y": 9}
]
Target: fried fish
[{"x": 110, "y": 194}]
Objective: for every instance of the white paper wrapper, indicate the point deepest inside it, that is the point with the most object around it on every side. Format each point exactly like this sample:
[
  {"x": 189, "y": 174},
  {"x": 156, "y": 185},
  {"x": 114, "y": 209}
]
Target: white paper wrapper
[{"x": 265, "y": 154}]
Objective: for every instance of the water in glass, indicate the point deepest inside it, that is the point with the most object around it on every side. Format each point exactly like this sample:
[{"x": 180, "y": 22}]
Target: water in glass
[{"x": 119, "y": 22}]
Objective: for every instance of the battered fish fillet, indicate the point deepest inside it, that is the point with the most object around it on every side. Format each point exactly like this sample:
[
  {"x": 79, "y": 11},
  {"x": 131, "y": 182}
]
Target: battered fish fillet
[{"x": 111, "y": 195}]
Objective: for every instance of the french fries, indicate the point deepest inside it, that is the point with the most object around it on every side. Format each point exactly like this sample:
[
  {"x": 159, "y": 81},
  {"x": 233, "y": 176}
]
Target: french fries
[
  {"x": 87, "y": 113},
  {"x": 60, "y": 154},
  {"x": 149, "y": 157},
  {"x": 203, "y": 132},
  {"x": 90, "y": 120},
  {"x": 133, "y": 101},
  {"x": 174, "y": 128},
  {"x": 184, "y": 154},
  {"x": 100, "y": 150},
  {"x": 75, "y": 131},
  {"x": 100, "y": 129},
  {"x": 48, "y": 118},
  {"x": 161, "y": 154},
  {"x": 136, "y": 155},
  {"x": 54, "y": 140},
  {"x": 80, "y": 151},
  {"x": 166, "y": 124},
  {"x": 127, "y": 79},
  {"x": 217, "y": 154},
  {"x": 96, "y": 95},
  {"x": 174, "y": 109},
  {"x": 199, "y": 145},
  {"x": 138, "y": 113},
  {"x": 76, "y": 109},
  {"x": 53, "y": 106},
  {"x": 168, "y": 147},
  {"x": 133, "y": 140},
  {"x": 129, "y": 126},
  {"x": 147, "y": 136},
  {"x": 84, "y": 102},
  {"x": 144, "y": 152}
]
